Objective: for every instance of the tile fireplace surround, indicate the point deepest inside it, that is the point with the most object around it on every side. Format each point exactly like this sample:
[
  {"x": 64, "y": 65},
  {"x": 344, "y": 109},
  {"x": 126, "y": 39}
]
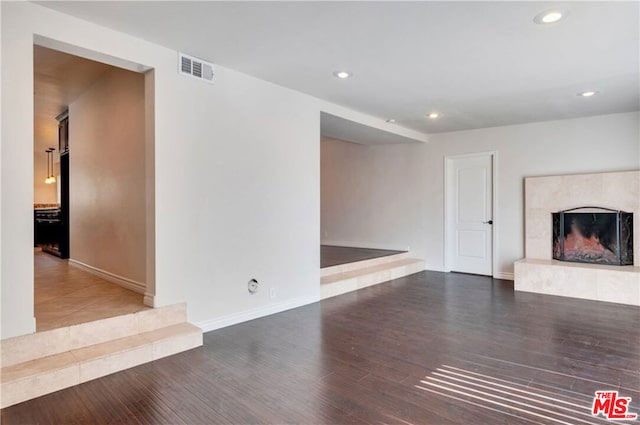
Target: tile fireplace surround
[{"x": 538, "y": 272}]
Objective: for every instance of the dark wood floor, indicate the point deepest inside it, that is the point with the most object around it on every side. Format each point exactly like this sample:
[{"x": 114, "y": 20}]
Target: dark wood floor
[
  {"x": 335, "y": 255},
  {"x": 431, "y": 348}
]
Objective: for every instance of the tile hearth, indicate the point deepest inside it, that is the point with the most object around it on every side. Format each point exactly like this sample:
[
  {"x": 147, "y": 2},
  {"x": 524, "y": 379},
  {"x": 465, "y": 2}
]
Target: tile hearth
[{"x": 616, "y": 284}]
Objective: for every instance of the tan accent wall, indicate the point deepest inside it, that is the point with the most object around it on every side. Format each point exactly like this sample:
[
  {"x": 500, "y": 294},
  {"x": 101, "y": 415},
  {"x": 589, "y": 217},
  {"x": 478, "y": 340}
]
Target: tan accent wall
[{"x": 107, "y": 175}]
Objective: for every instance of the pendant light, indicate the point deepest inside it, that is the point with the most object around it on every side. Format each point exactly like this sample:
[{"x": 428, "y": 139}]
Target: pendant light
[
  {"x": 53, "y": 178},
  {"x": 50, "y": 177}
]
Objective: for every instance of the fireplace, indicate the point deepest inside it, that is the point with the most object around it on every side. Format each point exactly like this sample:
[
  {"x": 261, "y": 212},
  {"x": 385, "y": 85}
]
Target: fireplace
[
  {"x": 541, "y": 272},
  {"x": 593, "y": 235}
]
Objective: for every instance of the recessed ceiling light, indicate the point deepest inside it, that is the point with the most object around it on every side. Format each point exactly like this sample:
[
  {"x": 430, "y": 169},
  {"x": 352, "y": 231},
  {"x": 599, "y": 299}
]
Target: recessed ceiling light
[
  {"x": 391, "y": 120},
  {"x": 342, "y": 74},
  {"x": 588, "y": 93},
  {"x": 433, "y": 115},
  {"x": 549, "y": 16}
]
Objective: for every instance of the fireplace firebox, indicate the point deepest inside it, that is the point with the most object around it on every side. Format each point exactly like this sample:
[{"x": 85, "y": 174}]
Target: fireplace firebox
[{"x": 593, "y": 235}]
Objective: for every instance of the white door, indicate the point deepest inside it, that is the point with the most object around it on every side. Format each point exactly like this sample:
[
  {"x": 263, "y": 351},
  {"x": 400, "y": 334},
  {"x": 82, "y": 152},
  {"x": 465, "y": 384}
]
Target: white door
[{"x": 471, "y": 214}]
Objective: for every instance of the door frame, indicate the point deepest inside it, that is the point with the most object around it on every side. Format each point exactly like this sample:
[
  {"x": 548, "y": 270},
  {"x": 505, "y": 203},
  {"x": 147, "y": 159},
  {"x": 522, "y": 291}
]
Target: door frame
[
  {"x": 148, "y": 72},
  {"x": 448, "y": 207}
]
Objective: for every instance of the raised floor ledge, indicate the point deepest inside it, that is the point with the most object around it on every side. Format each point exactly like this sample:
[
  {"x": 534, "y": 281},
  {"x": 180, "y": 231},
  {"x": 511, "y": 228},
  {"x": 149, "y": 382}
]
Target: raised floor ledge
[
  {"x": 615, "y": 284},
  {"x": 630, "y": 269}
]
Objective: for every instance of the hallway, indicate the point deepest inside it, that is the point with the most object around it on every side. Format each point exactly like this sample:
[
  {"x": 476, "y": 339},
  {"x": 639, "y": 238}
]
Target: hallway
[{"x": 66, "y": 295}]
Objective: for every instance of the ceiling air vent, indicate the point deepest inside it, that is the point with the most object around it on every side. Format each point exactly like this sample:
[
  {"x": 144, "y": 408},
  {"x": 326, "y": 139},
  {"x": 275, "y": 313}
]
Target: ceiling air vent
[{"x": 194, "y": 67}]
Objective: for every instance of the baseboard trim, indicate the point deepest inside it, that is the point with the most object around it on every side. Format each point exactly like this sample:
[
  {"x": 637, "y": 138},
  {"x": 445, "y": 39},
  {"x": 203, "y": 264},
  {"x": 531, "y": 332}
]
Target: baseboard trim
[
  {"x": 149, "y": 300},
  {"x": 126, "y": 283},
  {"x": 255, "y": 313},
  {"x": 499, "y": 275},
  {"x": 434, "y": 268},
  {"x": 371, "y": 245},
  {"x": 504, "y": 275}
]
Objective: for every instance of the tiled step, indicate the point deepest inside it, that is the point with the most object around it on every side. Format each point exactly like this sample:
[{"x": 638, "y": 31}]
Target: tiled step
[
  {"x": 341, "y": 268},
  {"x": 41, "y": 363},
  {"x": 352, "y": 280}
]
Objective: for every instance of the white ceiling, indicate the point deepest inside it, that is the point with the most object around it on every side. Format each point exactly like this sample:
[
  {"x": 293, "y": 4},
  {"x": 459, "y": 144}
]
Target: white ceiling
[
  {"x": 480, "y": 64},
  {"x": 341, "y": 128}
]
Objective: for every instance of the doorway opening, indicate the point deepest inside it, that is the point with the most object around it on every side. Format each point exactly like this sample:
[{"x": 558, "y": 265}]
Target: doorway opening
[
  {"x": 470, "y": 213},
  {"x": 350, "y": 204},
  {"x": 364, "y": 206},
  {"x": 93, "y": 194}
]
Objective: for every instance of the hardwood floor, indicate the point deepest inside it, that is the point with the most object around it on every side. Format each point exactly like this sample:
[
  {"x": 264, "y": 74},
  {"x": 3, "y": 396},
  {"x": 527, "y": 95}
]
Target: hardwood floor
[
  {"x": 65, "y": 295},
  {"x": 335, "y": 255},
  {"x": 430, "y": 348}
]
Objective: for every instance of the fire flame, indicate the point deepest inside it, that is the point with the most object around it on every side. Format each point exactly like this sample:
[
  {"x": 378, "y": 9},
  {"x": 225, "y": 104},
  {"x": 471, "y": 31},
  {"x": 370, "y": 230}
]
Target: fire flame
[{"x": 579, "y": 247}]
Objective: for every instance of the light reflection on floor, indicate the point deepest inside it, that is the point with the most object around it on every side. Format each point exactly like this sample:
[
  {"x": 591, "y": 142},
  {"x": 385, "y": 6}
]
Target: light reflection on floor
[{"x": 526, "y": 403}]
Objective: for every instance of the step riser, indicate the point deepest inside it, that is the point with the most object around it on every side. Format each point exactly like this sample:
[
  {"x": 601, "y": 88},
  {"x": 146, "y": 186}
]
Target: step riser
[
  {"x": 97, "y": 368},
  {"x": 41, "y": 363},
  {"x": 341, "y": 268},
  {"x": 363, "y": 281},
  {"x": 408, "y": 270},
  {"x": 369, "y": 270},
  {"x": 41, "y": 344},
  {"x": 47, "y": 382},
  {"x": 36, "y": 386},
  {"x": 34, "y": 346},
  {"x": 176, "y": 345}
]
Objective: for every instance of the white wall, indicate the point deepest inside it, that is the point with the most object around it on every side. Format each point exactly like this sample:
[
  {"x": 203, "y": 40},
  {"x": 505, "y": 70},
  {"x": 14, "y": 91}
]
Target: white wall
[
  {"x": 1, "y": 179},
  {"x": 361, "y": 178},
  {"x": 237, "y": 186},
  {"x": 373, "y": 195},
  {"x": 17, "y": 169},
  {"x": 107, "y": 175}
]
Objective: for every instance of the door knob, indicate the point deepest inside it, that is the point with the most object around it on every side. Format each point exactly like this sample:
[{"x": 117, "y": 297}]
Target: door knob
[{"x": 488, "y": 222}]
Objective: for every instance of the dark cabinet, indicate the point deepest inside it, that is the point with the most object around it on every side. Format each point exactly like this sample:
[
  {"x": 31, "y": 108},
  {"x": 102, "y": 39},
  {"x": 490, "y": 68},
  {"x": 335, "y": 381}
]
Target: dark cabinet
[
  {"x": 63, "y": 144},
  {"x": 63, "y": 133},
  {"x": 48, "y": 229}
]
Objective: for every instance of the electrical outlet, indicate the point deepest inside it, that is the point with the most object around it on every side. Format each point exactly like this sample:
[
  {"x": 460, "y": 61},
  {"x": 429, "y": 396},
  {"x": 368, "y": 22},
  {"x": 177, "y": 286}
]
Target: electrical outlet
[
  {"x": 272, "y": 293},
  {"x": 253, "y": 286}
]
